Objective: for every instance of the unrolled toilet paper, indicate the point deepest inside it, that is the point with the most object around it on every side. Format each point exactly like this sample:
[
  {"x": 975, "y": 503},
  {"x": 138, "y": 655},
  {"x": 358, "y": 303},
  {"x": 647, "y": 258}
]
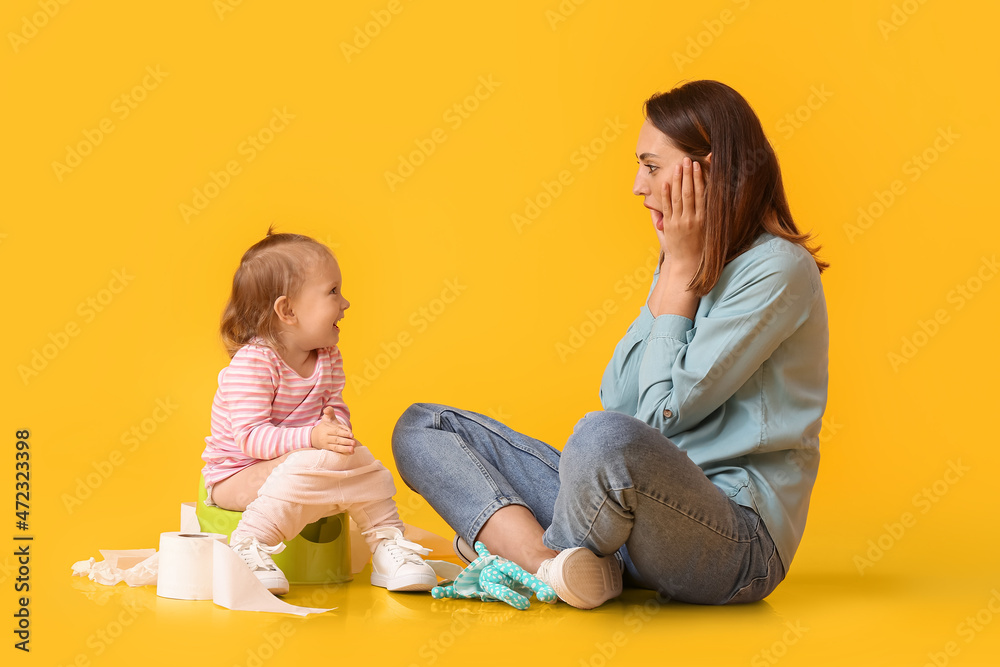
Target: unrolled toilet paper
[
  {"x": 202, "y": 566},
  {"x": 189, "y": 518}
]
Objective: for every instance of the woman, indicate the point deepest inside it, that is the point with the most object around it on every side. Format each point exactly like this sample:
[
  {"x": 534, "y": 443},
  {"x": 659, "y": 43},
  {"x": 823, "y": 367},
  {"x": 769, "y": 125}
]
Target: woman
[{"x": 695, "y": 480}]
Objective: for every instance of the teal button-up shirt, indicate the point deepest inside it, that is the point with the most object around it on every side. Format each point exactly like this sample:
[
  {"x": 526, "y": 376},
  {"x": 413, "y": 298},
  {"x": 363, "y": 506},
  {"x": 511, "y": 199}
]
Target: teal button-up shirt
[{"x": 742, "y": 389}]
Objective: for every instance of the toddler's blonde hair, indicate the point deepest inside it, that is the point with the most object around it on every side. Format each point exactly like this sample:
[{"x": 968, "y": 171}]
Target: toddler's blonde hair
[{"x": 273, "y": 267}]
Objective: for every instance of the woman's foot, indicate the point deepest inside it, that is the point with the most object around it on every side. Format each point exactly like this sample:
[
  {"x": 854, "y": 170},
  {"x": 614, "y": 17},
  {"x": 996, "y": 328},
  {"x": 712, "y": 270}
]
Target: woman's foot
[
  {"x": 397, "y": 564},
  {"x": 582, "y": 579},
  {"x": 513, "y": 533}
]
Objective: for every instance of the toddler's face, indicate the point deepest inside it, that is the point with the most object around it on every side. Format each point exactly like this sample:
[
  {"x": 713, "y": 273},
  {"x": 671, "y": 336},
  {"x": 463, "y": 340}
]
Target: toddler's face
[{"x": 319, "y": 305}]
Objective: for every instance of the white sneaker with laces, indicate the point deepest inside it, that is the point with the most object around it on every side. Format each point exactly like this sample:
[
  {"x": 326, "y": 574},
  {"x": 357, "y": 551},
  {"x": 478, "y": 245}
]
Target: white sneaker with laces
[
  {"x": 581, "y": 578},
  {"x": 257, "y": 556},
  {"x": 397, "y": 564}
]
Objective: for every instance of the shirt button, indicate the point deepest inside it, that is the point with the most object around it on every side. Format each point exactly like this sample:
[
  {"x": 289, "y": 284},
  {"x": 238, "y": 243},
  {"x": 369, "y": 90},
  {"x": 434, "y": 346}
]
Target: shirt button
[{"x": 667, "y": 414}]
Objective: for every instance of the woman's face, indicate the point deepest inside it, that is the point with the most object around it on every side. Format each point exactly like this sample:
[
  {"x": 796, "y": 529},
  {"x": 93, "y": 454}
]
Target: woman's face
[{"x": 657, "y": 158}]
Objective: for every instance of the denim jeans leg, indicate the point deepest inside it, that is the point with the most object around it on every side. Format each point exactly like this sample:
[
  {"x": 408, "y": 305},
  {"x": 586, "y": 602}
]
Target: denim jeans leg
[
  {"x": 623, "y": 483},
  {"x": 467, "y": 466}
]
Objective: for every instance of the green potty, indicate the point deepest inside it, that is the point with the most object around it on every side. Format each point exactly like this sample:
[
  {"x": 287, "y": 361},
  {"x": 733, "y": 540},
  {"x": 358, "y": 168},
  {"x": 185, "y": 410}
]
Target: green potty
[{"x": 320, "y": 554}]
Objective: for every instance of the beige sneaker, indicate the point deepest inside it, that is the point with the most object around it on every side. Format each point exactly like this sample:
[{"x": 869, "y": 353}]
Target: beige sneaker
[{"x": 582, "y": 579}]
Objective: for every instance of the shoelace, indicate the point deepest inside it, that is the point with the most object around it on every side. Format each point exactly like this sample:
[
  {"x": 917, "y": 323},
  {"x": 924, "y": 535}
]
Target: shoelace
[
  {"x": 402, "y": 549},
  {"x": 250, "y": 550}
]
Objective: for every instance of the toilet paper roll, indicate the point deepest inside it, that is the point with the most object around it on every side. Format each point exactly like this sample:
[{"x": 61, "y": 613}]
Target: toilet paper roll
[
  {"x": 202, "y": 566},
  {"x": 185, "y": 570}
]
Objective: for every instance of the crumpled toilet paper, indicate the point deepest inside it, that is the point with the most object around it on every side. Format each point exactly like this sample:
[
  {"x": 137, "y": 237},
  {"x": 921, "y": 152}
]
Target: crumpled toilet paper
[{"x": 136, "y": 567}]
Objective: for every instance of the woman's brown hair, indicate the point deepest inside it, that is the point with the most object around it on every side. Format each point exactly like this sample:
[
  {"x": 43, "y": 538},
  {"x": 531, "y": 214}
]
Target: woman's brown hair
[
  {"x": 274, "y": 266},
  {"x": 743, "y": 180}
]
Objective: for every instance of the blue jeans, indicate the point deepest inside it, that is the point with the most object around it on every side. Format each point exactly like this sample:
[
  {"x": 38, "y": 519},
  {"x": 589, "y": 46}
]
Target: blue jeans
[{"x": 619, "y": 486}]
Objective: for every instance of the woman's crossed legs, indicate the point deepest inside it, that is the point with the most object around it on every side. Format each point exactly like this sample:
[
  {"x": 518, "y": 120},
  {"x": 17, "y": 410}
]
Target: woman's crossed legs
[{"x": 619, "y": 487}]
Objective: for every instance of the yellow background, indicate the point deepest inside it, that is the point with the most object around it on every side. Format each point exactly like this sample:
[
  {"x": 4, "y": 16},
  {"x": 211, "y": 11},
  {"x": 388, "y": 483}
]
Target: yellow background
[{"x": 868, "y": 85}]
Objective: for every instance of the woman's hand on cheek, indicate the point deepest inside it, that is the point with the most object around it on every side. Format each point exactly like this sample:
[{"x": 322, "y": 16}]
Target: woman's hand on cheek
[
  {"x": 683, "y": 235},
  {"x": 658, "y": 227}
]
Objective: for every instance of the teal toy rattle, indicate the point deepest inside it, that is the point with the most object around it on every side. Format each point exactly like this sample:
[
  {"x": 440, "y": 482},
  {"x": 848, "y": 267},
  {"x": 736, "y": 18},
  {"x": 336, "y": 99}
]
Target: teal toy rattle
[{"x": 492, "y": 578}]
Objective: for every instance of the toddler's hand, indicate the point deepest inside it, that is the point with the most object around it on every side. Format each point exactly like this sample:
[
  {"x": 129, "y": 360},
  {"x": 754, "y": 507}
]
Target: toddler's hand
[{"x": 332, "y": 435}]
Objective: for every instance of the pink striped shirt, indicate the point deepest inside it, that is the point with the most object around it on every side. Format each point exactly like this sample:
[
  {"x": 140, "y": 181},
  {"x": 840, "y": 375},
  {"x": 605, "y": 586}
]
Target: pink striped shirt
[{"x": 264, "y": 409}]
